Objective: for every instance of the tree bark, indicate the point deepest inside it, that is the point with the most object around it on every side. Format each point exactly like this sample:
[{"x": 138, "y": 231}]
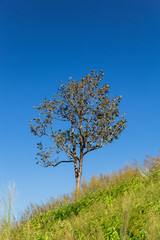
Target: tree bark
[
  {"x": 78, "y": 180},
  {"x": 78, "y": 173}
]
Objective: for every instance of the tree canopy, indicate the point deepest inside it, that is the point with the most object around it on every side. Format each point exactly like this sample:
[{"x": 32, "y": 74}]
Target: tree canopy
[{"x": 92, "y": 120}]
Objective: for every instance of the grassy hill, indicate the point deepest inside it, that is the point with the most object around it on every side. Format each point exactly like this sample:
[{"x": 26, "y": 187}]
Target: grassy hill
[{"x": 123, "y": 205}]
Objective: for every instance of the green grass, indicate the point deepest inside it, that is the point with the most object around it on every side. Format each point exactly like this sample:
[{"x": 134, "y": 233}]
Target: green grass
[{"x": 123, "y": 205}]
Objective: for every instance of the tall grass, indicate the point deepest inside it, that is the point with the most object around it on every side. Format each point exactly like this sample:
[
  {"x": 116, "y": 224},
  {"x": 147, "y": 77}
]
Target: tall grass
[
  {"x": 119, "y": 206},
  {"x": 7, "y": 218}
]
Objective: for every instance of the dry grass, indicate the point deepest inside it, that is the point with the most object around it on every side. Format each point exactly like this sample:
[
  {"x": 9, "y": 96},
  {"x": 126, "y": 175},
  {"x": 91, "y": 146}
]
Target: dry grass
[{"x": 122, "y": 205}]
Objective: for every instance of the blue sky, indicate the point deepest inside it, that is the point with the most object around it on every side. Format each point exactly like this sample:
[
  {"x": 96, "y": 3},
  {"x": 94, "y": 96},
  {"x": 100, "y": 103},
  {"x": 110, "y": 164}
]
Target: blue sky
[{"x": 44, "y": 42}]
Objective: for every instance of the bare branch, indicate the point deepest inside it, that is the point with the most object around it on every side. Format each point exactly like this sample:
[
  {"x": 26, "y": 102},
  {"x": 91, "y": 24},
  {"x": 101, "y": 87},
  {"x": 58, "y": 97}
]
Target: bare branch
[{"x": 54, "y": 165}]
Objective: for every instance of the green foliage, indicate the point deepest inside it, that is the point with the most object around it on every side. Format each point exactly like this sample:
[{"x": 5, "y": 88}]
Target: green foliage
[{"x": 123, "y": 205}]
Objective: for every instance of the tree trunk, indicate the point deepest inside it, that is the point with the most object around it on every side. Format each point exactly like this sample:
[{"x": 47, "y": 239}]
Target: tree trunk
[
  {"x": 78, "y": 180},
  {"x": 78, "y": 174},
  {"x": 77, "y": 192}
]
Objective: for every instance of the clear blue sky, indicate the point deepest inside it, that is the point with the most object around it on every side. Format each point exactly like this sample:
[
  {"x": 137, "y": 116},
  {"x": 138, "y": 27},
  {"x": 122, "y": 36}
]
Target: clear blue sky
[{"x": 44, "y": 42}]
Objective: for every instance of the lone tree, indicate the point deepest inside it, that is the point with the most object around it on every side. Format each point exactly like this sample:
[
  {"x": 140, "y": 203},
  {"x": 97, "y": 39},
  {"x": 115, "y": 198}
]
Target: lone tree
[{"x": 92, "y": 120}]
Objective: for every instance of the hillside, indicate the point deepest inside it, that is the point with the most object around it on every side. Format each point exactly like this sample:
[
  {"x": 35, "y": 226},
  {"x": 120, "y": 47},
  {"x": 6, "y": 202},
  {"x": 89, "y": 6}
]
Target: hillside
[{"x": 123, "y": 205}]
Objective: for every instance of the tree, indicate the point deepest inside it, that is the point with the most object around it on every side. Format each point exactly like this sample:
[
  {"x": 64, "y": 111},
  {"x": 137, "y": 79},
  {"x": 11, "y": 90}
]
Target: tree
[{"x": 90, "y": 116}]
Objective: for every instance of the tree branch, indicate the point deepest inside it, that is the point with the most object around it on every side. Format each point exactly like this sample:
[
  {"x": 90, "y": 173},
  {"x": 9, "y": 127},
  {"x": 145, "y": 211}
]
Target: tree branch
[
  {"x": 91, "y": 149},
  {"x": 54, "y": 165}
]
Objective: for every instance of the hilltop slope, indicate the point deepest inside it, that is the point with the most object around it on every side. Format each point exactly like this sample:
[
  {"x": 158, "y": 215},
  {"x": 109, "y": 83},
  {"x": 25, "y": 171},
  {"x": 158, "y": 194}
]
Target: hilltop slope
[{"x": 124, "y": 205}]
